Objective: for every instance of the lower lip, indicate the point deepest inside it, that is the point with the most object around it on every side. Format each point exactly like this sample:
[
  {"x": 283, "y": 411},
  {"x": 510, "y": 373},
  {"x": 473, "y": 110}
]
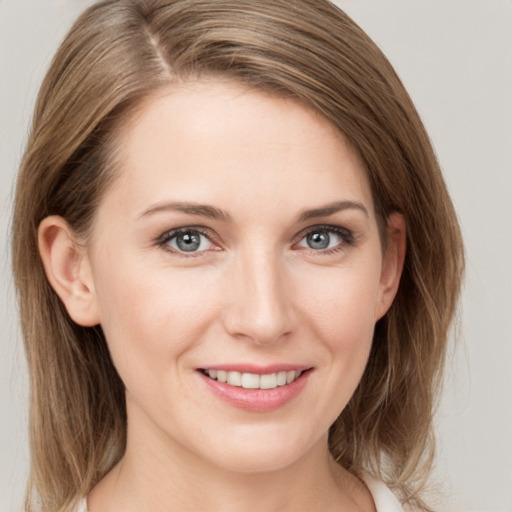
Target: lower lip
[{"x": 257, "y": 400}]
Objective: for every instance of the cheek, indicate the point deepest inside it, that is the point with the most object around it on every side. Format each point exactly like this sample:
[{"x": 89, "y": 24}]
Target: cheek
[
  {"x": 337, "y": 312},
  {"x": 341, "y": 302},
  {"x": 149, "y": 315}
]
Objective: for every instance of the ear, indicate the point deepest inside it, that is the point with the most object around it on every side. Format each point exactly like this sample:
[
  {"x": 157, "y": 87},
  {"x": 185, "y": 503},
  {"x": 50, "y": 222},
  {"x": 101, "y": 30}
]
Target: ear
[
  {"x": 68, "y": 270},
  {"x": 392, "y": 264}
]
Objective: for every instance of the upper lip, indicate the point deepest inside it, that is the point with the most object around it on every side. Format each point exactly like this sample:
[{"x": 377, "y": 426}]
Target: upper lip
[{"x": 257, "y": 369}]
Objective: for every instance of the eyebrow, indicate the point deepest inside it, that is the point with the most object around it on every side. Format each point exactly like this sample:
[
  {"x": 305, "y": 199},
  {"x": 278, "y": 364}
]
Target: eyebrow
[
  {"x": 201, "y": 210},
  {"x": 211, "y": 212},
  {"x": 332, "y": 208}
]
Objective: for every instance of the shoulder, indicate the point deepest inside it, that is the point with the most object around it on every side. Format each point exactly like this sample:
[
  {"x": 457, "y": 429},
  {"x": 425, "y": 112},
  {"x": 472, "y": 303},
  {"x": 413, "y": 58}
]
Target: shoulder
[
  {"x": 384, "y": 499},
  {"x": 82, "y": 506}
]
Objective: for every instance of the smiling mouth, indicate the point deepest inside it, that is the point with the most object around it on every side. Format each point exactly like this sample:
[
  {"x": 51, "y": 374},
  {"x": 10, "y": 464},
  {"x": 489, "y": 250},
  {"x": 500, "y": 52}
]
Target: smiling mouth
[{"x": 254, "y": 380}]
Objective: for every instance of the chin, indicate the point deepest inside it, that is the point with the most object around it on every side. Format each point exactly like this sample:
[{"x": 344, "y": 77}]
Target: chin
[{"x": 260, "y": 452}]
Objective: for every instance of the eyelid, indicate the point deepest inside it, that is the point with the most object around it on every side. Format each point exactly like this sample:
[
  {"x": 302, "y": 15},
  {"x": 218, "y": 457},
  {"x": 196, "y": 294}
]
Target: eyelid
[
  {"x": 163, "y": 239},
  {"x": 346, "y": 235}
]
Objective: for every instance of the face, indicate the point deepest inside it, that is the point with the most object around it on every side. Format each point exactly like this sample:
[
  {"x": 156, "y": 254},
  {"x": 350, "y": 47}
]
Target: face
[{"x": 237, "y": 272}]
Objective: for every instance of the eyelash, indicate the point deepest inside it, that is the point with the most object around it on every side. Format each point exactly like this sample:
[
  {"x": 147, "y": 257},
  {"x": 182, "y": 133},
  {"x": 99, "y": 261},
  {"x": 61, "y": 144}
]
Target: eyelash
[
  {"x": 163, "y": 240},
  {"x": 346, "y": 236}
]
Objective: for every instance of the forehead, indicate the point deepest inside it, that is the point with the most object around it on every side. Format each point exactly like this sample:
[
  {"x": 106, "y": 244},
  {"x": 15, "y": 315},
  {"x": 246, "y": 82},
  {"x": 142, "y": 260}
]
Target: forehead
[{"x": 214, "y": 141}]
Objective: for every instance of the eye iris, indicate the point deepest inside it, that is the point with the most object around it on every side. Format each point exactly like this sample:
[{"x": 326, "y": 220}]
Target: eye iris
[
  {"x": 318, "y": 240},
  {"x": 188, "y": 242}
]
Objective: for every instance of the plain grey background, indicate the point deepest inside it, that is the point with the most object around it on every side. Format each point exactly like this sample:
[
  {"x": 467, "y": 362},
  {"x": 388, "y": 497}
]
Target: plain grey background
[{"x": 455, "y": 58}]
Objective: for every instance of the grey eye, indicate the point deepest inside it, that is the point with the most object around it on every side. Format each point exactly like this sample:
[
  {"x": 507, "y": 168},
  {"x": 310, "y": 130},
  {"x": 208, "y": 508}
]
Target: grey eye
[
  {"x": 189, "y": 241},
  {"x": 318, "y": 240},
  {"x": 321, "y": 239}
]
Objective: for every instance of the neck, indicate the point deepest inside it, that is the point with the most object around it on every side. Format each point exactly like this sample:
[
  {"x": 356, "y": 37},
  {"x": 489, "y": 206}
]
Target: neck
[{"x": 159, "y": 475}]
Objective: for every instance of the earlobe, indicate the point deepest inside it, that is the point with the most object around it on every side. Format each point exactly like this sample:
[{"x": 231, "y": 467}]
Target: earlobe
[
  {"x": 68, "y": 270},
  {"x": 393, "y": 263}
]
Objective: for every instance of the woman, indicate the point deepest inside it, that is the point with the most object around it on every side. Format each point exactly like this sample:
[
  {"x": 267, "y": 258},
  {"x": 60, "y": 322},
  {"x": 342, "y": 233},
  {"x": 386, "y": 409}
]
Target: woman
[{"x": 247, "y": 264}]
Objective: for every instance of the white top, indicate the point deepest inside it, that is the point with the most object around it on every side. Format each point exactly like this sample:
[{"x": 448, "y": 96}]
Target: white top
[{"x": 384, "y": 499}]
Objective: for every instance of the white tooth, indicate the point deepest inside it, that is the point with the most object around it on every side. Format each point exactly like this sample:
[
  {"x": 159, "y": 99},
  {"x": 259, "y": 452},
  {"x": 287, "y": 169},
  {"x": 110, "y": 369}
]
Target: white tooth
[
  {"x": 235, "y": 379},
  {"x": 222, "y": 376},
  {"x": 290, "y": 376},
  {"x": 268, "y": 381},
  {"x": 212, "y": 374},
  {"x": 281, "y": 378},
  {"x": 250, "y": 381}
]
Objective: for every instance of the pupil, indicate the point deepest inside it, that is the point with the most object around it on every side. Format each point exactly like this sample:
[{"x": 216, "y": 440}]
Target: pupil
[
  {"x": 318, "y": 240},
  {"x": 188, "y": 242}
]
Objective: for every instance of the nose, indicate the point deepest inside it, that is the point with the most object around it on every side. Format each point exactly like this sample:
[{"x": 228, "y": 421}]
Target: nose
[{"x": 259, "y": 303}]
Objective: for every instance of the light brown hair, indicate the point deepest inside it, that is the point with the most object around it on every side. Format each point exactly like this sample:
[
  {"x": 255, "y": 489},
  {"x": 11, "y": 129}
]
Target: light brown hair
[{"x": 116, "y": 54}]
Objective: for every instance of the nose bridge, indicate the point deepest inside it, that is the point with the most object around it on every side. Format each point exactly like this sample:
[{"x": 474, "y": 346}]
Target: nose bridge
[{"x": 260, "y": 306}]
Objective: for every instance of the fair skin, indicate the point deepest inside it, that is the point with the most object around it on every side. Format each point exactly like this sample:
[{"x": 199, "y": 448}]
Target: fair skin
[{"x": 278, "y": 267}]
